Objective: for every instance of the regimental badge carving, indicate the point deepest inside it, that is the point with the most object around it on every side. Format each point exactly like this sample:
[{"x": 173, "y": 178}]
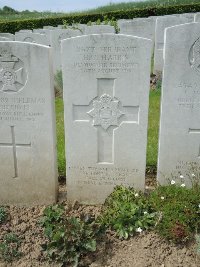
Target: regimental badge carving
[
  {"x": 194, "y": 55},
  {"x": 13, "y": 76},
  {"x": 105, "y": 112}
]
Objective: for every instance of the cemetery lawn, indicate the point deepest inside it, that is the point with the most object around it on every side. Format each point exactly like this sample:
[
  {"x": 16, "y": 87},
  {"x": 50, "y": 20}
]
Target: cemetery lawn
[{"x": 153, "y": 129}]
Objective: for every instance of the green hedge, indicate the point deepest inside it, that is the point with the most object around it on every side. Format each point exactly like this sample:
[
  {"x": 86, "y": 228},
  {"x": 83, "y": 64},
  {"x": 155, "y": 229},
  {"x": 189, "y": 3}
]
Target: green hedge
[{"x": 14, "y": 26}]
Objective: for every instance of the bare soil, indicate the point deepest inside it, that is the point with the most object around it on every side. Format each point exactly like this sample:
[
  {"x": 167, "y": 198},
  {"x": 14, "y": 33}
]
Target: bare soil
[{"x": 144, "y": 250}]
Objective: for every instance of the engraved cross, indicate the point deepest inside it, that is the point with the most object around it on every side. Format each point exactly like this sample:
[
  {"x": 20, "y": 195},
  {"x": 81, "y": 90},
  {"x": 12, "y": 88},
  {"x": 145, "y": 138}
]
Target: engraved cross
[
  {"x": 14, "y": 146},
  {"x": 108, "y": 114}
]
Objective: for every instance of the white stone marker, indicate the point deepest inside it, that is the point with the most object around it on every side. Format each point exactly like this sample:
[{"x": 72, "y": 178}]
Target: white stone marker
[
  {"x": 99, "y": 29},
  {"x": 179, "y": 144},
  {"x": 55, "y": 39},
  {"x": 142, "y": 28},
  {"x": 161, "y": 24},
  {"x": 106, "y": 88},
  {"x": 28, "y": 173},
  {"x": 4, "y": 39},
  {"x": 189, "y": 16},
  {"x": 197, "y": 17},
  {"x": 32, "y": 38},
  {"x": 9, "y": 36}
]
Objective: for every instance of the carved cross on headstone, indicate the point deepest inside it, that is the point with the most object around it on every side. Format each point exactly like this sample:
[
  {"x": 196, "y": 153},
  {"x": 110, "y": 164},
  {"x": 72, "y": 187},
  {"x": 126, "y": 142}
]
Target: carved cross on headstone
[
  {"x": 14, "y": 146},
  {"x": 195, "y": 131},
  {"x": 108, "y": 114}
]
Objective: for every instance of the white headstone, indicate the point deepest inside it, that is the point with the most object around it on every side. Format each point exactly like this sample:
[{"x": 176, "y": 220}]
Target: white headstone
[
  {"x": 120, "y": 21},
  {"x": 106, "y": 88},
  {"x": 56, "y": 37},
  {"x": 9, "y": 36},
  {"x": 197, "y": 17},
  {"x": 32, "y": 38},
  {"x": 4, "y": 39},
  {"x": 142, "y": 28},
  {"x": 28, "y": 173},
  {"x": 25, "y": 31},
  {"x": 189, "y": 16},
  {"x": 179, "y": 144},
  {"x": 49, "y": 27},
  {"x": 161, "y": 24},
  {"x": 99, "y": 29}
]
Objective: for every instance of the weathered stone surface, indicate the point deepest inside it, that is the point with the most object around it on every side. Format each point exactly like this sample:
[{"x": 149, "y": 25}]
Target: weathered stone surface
[
  {"x": 99, "y": 29},
  {"x": 161, "y": 24},
  {"x": 106, "y": 87},
  {"x": 9, "y": 36},
  {"x": 32, "y": 38},
  {"x": 180, "y": 111},
  {"x": 4, "y": 39},
  {"x": 56, "y": 36},
  {"x": 141, "y": 27},
  {"x": 28, "y": 173},
  {"x": 197, "y": 17},
  {"x": 189, "y": 16}
]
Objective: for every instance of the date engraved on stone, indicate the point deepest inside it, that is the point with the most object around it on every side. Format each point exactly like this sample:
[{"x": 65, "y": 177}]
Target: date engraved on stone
[{"x": 13, "y": 75}]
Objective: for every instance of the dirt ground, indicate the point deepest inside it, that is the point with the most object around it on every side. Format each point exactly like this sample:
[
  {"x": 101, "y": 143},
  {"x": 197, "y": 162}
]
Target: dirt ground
[{"x": 143, "y": 250}]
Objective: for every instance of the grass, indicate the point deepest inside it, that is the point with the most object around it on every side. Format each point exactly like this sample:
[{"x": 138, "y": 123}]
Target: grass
[
  {"x": 152, "y": 147},
  {"x": 129, "y": 5},
  {"x": 28, "y": 15},
  {"x": 60, "y": 137},
  {"x": 140, "y": 4},
  {"x": 153, "y": 128}
]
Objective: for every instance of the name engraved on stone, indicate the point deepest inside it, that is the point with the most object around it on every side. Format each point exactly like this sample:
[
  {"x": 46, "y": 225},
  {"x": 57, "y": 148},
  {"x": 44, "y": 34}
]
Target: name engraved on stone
[
  {"x": 107, "y": 116},
  {"x": 14, "y": 146},
  {"x": 21, "y": 108},
  {"x": 12, "y": 73},
  {"x": 194, "y": 56},
  {"x": 105, "y": 59}
]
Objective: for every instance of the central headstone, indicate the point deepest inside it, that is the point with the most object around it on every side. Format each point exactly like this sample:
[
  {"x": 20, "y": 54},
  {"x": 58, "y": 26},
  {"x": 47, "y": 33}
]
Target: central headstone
[{"x": 106, "y": 87}]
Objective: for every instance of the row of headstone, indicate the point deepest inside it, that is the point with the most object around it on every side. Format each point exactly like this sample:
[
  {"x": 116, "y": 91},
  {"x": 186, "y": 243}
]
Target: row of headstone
[
  {"x": 106, "y": 87},
  {"x": 151, "y": 28}
]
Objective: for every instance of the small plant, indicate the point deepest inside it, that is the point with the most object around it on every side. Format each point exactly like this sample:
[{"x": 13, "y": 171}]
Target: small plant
[
  {"x": 3, "y": 215},
  {"x": 127, "y": 212},
  {"x": 52, "y": 215},
  {"x": 180, "y": 211},
  {"x": 69, "y": 237},
  {"x": 9, "y": 248}
]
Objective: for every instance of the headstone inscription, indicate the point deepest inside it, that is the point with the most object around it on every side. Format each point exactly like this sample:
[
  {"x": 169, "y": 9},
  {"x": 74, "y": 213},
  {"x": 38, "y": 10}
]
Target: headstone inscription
[
  {"x": 179, "y": 147},
  {"x": 106, "y": 85},
  {"x": 28, "y": 173},
  {"x": 161, "y": 24}
]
